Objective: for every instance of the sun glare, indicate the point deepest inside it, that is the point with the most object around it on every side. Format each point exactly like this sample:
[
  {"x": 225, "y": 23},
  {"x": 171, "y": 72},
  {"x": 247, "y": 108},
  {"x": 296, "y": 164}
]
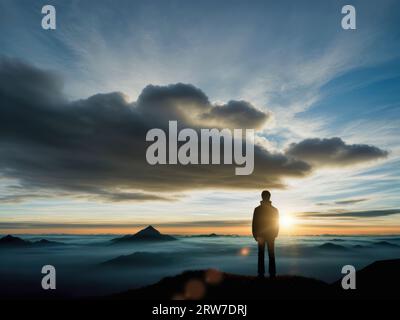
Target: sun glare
[{"x": 286, "y": 221}]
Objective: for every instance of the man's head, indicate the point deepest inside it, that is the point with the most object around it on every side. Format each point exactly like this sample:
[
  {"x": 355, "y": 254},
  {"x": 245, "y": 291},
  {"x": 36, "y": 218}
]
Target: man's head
[{"x": 266, "y": 195}]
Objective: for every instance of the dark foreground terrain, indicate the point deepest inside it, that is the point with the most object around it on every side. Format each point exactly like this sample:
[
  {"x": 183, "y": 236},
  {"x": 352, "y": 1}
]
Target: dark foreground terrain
[{"x": 381, "y": 279}]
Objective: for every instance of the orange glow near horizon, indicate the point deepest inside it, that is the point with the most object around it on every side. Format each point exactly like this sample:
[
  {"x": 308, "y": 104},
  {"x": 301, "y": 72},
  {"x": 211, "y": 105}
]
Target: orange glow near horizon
[{"x": 288, "y": 227}]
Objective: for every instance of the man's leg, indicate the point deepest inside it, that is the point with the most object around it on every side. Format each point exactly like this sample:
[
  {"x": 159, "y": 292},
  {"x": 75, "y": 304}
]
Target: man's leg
[
  {"x": 261, "y": 251},
  {"x": 271, "y": 254}
]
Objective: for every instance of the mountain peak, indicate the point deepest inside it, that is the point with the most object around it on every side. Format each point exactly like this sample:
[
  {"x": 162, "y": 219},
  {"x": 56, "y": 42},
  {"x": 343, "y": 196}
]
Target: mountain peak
[
  {"x": 147, "y": 234},
  {"x": 11, "y": 240},
  {"x": 148, "y": 231}
]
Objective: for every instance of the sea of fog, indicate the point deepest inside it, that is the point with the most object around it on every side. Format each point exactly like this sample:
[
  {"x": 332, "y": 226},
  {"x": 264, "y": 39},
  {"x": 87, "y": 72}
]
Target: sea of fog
[{"x": 79, "y": 260}]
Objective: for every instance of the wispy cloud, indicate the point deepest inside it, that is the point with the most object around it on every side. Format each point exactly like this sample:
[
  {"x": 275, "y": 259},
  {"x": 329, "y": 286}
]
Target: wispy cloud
[
  {"x": 357, "y": 214},
  {"x": 343, "y": 202},
  {"x": 179, "y": 224}
]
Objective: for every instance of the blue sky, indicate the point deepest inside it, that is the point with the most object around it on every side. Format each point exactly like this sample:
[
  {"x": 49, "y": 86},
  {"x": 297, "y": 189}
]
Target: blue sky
[{"x": 289, "y": 58}]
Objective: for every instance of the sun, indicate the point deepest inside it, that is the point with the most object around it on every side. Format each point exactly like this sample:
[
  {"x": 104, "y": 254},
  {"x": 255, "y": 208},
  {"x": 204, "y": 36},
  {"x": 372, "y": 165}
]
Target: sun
[{"x": 286, "y": 221}]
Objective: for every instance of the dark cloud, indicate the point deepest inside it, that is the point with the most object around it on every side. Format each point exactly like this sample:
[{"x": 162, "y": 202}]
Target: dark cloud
[
  {"x": 190, "y": 105},
  {"x": 236, "y": 114},
  {"x": 351, "y": 214},
  {"x": 96, "y": 146},
  {"x": 334, "y": 152},
  {"x": 181, "y": 102}
]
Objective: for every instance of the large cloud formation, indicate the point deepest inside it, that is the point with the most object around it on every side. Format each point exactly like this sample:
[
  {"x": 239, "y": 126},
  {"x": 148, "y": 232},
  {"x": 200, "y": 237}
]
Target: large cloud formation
[{"x": 96, "y": 146}]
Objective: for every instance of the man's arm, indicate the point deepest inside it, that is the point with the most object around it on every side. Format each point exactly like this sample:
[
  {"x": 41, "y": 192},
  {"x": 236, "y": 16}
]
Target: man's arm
[
  {"x": 254, "y": 224},
  {"x": 276, "y": 223}
]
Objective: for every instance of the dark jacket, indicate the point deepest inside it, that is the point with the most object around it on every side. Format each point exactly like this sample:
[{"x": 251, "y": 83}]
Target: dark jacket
[{"x": 265, "y": 221}]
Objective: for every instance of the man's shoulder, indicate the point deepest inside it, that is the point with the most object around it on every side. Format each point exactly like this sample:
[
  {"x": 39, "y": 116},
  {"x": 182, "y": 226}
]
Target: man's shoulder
[
  {"x": 275, "y": 209},
  {"x": 261, "y": 208}
]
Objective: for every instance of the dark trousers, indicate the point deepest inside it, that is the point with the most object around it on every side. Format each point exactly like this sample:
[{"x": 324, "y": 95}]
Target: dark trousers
[{"x": 271, "y": 255}]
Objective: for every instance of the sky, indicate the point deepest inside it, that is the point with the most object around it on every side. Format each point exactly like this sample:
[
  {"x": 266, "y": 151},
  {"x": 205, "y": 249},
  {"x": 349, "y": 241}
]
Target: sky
[{"x": 75, "y": 104}]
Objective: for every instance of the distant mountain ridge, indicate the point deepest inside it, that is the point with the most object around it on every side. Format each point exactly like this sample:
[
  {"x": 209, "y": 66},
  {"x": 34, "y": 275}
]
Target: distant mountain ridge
[
  {"x": 10, "y": 241},
  {"x": 147, "y": 234},
  {"x": 386, "y": 244}
]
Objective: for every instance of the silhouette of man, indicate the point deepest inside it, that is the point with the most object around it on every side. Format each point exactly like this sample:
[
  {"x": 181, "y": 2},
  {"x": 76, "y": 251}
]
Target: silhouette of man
[{"x": 265, "y": 230}]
